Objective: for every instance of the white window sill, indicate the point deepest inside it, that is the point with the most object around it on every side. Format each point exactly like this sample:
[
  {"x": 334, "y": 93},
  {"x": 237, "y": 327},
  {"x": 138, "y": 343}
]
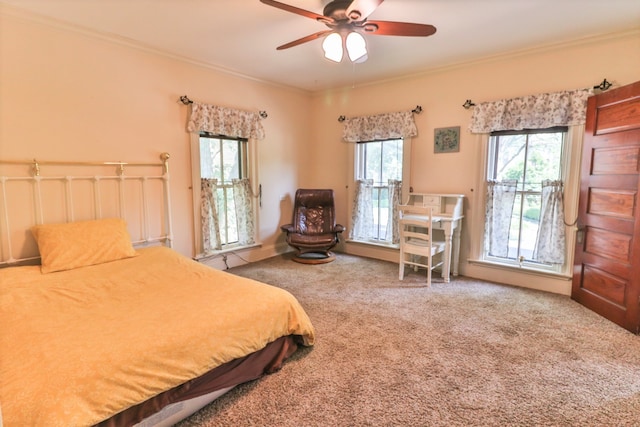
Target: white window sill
[
  {"x": 523, "y": 269},
  {"x": 232, "y": 249},
  {"x": 375, "y": 244}
]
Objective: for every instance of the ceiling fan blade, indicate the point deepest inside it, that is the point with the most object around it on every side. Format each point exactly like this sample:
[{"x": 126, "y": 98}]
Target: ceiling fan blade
[
  {"x": 296, "y": 10},
  {"x": 358, "y": 10},
  {"x": 308, "y": 38},
  {"x": 390, "y": 28}
]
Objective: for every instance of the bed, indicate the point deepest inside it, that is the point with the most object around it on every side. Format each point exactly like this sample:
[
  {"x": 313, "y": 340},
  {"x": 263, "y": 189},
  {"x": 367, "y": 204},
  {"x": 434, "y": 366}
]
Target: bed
[{"x": 99, "y": 330}]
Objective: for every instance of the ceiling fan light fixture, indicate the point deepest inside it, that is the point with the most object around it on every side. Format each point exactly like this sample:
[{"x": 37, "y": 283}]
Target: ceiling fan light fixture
[
  {"x": 347, "y": 22},
  {"x": 332, "y": 46},
  {"x": 356, "y": 47}
]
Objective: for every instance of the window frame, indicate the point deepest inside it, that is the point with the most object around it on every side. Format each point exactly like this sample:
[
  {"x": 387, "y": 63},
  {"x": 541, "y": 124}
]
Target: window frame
[
  {"x": 568, "y": 171},
  {"x": 248, "y": 168},
  {"x": 358, "y": 161}
]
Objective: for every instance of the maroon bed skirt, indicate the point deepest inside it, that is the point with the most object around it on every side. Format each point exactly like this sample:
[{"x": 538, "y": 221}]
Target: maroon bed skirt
[{"x": 238, "y": 371}]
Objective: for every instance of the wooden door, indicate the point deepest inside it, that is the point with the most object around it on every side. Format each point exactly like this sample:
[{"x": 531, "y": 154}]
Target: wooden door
[{"x": 606, "y": 271}]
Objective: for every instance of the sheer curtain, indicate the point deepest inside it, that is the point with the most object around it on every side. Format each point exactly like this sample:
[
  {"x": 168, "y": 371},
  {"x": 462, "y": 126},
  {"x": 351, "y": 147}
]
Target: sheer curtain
[
  {"x": 232, "y": 123},
  {"x": 377, "y": 128},
  {"x": 565, "y": 108},
  {"x": 362, "y": 215},
  {"x": 242, "y": 196},
  {"x": 210, "y": 225},
  {"x": 501, "y": 196},
  {"x": 550, "y": 244},
  {"x": 395, "y": 199}
]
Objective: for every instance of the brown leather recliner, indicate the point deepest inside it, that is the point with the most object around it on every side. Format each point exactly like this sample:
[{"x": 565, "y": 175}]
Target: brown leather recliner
[{"x": 314, "y": 230}]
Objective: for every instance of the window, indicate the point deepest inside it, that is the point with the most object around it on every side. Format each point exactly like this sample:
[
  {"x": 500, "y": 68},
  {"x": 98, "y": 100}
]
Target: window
[
  {"x": 379, "y": 162},
  {"x": 525, "y": 158},
  {"x": 225, "y": 204}
]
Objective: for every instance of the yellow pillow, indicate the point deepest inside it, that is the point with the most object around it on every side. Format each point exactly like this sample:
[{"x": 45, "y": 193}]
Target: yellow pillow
[{"x": 79, "y": 244}]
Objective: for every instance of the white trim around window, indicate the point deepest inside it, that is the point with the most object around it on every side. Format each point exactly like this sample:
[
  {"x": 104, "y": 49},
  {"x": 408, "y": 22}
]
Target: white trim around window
[
  {"x": 571, "y": 178},
  {"x": 195, "y": 187},
  {"x": 353, "y": 169}
]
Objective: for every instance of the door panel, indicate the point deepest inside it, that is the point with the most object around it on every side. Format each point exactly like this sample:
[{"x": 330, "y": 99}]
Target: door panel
[
  {"x": 615, "y": 161},
  {"x": 619, "y": 117},
  {"x": 610, "y": 287},
  {"x": 612, "y": 202},
  {"x": 606, "y": 274},
  {"x": 607, "y": 244}
]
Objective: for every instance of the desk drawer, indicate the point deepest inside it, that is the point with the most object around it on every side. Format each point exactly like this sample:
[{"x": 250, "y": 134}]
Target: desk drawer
[
  {"x": 449, "y": 204},
  {"x": 431, "y": 201}
]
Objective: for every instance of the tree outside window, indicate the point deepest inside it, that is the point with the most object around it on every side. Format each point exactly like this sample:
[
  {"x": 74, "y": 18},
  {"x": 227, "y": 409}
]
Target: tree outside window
[
  {"x": 529, "y": 157},
  {"x": 380, "y": 161},
  {"x": 224, "y": 159}
]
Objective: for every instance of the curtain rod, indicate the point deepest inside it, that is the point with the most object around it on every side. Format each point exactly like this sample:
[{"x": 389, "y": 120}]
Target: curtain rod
[
  {"x": 604, "y": 85},
  {"x": 416, "y": 110},
  {"x": 186, "y": 101}
]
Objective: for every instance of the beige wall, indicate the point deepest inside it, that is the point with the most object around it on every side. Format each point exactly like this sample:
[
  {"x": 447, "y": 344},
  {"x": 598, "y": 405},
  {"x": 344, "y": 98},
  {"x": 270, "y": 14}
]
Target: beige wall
[
  {"x": 65, "y": 94},
  {"x": 441, "y": 94}
]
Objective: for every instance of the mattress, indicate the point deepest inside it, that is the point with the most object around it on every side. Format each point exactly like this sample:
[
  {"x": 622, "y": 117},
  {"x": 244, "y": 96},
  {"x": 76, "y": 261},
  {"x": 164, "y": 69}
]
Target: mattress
[{"x": 80, "y": 346}]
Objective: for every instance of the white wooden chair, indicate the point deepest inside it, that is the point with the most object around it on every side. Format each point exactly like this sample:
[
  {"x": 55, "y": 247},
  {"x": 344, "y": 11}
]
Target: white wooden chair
[{"x": 417, "y": 246}]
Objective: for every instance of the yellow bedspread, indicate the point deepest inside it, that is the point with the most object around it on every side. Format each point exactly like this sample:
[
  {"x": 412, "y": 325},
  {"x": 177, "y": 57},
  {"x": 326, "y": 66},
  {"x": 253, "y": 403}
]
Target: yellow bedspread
[{"x": 78, "y": 346}]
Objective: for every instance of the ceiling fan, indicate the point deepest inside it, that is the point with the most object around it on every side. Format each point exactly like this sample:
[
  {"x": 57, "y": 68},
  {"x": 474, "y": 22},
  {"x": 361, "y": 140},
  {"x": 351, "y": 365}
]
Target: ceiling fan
[{"x": 347, "y": 21}]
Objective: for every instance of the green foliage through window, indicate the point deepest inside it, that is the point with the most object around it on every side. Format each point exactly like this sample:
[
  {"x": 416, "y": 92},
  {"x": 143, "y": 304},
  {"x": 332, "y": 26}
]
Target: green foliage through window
[
  {"x": 224, "y": 159},
  {"x": 528, "y": 156},
  {"x": 380, "y": 161}
]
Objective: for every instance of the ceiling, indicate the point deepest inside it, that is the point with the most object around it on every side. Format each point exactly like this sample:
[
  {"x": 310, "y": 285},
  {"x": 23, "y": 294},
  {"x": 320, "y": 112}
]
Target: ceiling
[{"x": 241, "y": 36}]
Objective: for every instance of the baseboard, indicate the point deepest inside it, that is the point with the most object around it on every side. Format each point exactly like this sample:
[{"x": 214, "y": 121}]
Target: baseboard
[
  {"x": 245, "y": 256},
  {"x": 372, "y": 251}
]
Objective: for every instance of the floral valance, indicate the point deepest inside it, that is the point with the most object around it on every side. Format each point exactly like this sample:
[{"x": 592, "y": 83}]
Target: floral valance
[
  {"x": 225, "y": 121},
  {"x": 380, "y": 127},
  {"x": 531, "y": 112}
]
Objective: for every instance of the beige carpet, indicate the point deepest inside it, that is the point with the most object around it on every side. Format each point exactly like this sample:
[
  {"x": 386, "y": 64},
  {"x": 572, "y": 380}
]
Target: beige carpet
[{"x": 464, "y": 353}]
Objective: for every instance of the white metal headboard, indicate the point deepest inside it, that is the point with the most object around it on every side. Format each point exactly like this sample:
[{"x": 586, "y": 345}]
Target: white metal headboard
[{"x": 37, "y": 192}]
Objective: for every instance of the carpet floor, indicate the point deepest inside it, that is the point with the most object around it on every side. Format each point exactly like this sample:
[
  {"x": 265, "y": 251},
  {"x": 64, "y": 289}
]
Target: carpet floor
[{"x": 464, "y": 353}]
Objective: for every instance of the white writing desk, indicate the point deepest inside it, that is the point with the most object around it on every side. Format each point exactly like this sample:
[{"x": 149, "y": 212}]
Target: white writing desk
[{"x": 447, "y": 216}]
